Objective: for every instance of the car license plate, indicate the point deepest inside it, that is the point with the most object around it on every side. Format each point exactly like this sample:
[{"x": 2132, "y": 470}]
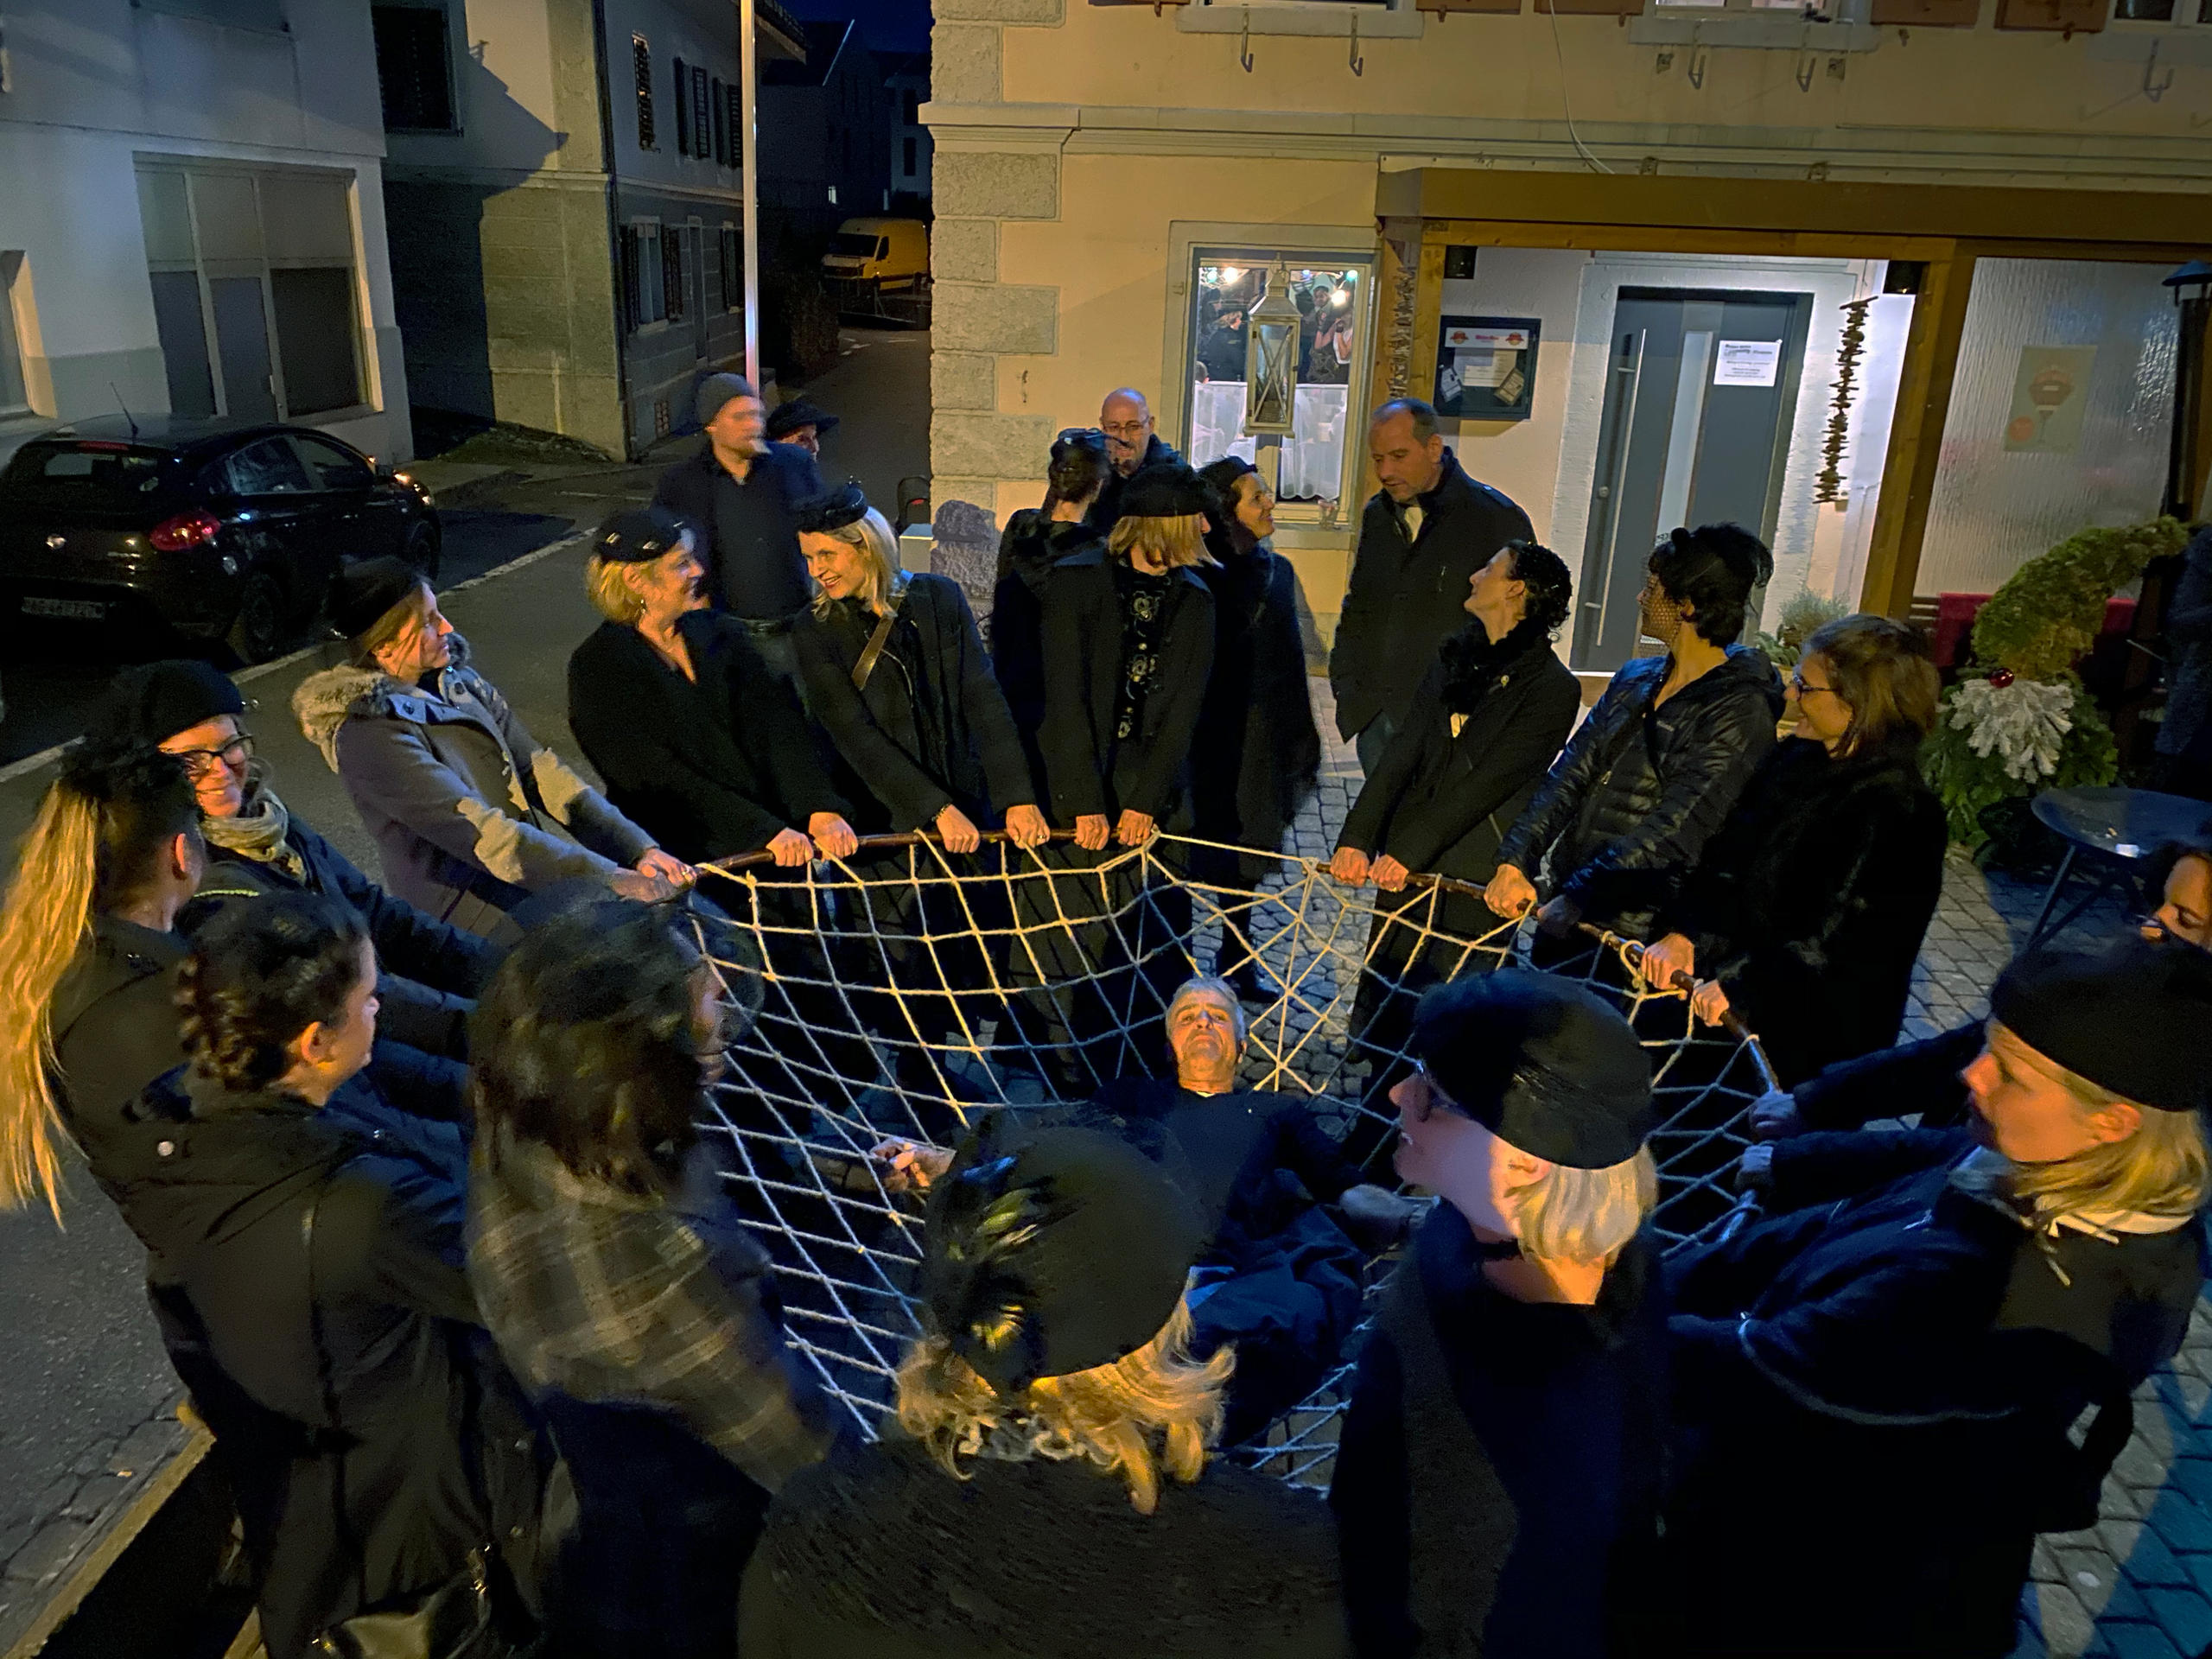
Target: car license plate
[{"x": 77, "y": 610}]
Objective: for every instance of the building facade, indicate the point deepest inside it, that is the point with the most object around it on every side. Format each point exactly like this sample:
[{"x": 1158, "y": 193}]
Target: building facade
[
  {"x": 825, "y": 132},
  {"x": 166, "y": 249},
  {"x": 1885, "y": 288},
  {"x": 564, "y": 189},
  {"x": 906, "y": 77}
]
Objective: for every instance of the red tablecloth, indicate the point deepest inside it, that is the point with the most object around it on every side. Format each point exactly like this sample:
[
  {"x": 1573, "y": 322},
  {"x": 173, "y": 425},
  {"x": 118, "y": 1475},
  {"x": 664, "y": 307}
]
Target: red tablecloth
[{"x": 1954, "y": 615}]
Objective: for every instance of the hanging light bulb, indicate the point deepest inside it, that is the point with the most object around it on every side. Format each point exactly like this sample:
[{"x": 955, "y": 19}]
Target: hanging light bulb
[
  {"x": 1341, "y": 298},
  {"x": 1230, "y": 274}
]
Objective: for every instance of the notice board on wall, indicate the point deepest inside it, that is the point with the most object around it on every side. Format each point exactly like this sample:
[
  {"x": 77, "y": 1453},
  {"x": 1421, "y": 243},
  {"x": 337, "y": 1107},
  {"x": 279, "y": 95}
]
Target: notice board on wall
[{"x": 1486, "y": 367}]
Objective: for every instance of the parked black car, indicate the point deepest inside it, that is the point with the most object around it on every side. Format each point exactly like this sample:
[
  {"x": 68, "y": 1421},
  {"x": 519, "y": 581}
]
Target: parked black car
[{"x": 219, "y": 530}]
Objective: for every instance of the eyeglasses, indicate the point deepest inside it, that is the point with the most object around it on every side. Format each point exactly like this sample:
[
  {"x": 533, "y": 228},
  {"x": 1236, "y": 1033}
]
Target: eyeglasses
[
  {"x": 1124, "y": 430},
  {"x": 200, "y": 762},
  {"x": 1797, "y": 683},
  {"x": 1433, "y": 1099}
]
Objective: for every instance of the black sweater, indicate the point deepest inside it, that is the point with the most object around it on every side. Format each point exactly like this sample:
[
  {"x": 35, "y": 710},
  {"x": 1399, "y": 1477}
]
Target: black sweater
[
  {"x": 881, "y": 1554},
  {"x": 1498, "y": 1481},
  {"x": 711, "y": 768},
  {"x": 1256, "y": 730},
  {"x": 930, "y": 727}
]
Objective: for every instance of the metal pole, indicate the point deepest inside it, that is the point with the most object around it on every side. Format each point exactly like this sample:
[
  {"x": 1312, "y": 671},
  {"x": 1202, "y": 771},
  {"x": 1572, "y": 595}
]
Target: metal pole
[{"x": 748, "y": 57}]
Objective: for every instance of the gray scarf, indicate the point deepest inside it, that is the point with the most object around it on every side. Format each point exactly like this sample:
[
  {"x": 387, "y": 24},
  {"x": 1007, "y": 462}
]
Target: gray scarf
[{"x": 258, "y": 832}]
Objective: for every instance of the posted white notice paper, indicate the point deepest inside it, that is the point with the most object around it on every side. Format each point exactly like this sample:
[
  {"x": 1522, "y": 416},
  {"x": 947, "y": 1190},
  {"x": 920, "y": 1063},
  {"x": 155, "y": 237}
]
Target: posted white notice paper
[{"x": 1747, "y": 363}]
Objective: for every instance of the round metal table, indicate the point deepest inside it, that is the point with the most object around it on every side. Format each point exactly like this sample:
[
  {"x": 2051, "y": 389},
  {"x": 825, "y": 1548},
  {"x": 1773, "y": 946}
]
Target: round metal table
[{"x": 2116, "y": 827}]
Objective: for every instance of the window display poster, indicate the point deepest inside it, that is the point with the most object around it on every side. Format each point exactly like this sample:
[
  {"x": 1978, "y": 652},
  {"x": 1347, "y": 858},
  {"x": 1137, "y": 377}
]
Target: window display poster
[
  {"x": 1486, "y": 368},
  {"x": 2050, "y": 391},
  {"x": 1747, "y": 363}
]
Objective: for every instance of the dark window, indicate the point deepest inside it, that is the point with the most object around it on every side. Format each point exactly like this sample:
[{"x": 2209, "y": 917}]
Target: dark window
[
  {"x": 644, "y": 282},
  {"x": 315, "y": 321},
  {"x": 641, "y": 59},
  {"x": 332, "y": 466},
  {"x": 412, "y": 68},
  {"x": 910, "y": 158},
  {"x": 702, "y": 122},
  {"x": 671, "y": 273},
  {"x": 269, "y": 467},
  {"x": 683, "y": 110},
  {"x": 183, "y": 334},
  {"x": 721, "y": 126},
  {"x": 912, "y": 104},
  {"x": 110, "y": 476},
  {"x": 736, "y": 95}
]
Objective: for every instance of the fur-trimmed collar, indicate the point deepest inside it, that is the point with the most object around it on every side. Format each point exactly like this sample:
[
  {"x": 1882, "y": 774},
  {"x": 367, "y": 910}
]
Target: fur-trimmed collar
[{"x": 327, "y": 700}]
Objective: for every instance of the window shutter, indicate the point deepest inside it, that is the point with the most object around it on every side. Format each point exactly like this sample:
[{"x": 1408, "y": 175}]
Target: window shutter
[
  {"x": 721, "y": 124},
  {"x": 632, "y": 314},
  {"x": 671, "y": 272},
  {"x": 702, "y": 122},
  {"x": 683, "y": 110},
  {"x": 736, "y": 124},
  {"x": 641, "y": 59}
]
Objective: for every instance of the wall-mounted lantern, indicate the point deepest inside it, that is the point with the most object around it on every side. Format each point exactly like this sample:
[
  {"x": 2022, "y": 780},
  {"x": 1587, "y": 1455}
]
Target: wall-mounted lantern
[{"x": 1271, "y": 357}]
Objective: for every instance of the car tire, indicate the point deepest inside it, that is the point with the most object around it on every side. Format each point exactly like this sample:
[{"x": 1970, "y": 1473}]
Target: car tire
[
  {"x": 257, "y": 631},
  {"x": 423, "y": 550}
]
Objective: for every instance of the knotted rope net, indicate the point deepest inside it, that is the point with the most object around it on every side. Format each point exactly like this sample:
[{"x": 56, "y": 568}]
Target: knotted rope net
[{"x": 907, "y": 992}]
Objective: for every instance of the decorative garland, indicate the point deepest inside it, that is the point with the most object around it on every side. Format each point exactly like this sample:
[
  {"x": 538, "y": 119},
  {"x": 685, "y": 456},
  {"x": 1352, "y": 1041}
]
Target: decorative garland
[{"x": 1829, "y": 486}]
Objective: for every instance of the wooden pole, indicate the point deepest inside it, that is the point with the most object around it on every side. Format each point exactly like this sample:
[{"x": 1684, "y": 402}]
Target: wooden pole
[
  {"x": 748, "y": 57},
  {"x": 1931, "y": 358}
]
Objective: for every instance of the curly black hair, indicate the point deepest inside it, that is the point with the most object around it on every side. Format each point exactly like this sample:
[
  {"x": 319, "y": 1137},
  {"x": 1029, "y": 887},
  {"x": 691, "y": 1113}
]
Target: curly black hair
[
  {"x": 259, "y": 975},
  {"x": 1715, "y": 567},
  {"x": 1551, "y": 587},
  {"x": 1079, "y": 465}
]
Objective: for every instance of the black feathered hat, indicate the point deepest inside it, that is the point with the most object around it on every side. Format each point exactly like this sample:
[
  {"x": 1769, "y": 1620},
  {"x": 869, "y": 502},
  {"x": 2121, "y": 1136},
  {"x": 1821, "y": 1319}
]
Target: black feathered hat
[
  {"x": 151, "y": 702},
  {"x": 832, "y": 511},
  {"x": 367, "y": 588},
  {"x": 1052, "y": 1251},
  {"x": 1541, "y": 1062},
  {"x": 1168, "y": 491},
  {"x": 2135, "y": 1018},
  {"x": 638, "y": 534},
  {"x": 786, "y": 418}
]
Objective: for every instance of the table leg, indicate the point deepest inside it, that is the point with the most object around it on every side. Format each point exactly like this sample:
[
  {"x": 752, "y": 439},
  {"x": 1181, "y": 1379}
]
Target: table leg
[{"x": 2065, "y": 866}]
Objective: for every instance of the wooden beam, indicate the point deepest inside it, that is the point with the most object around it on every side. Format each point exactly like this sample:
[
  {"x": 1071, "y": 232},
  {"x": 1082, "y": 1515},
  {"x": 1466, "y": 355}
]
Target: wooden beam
[
  {"x": 1931, "y": 357},
  {"x": 1643, "y": 238}
]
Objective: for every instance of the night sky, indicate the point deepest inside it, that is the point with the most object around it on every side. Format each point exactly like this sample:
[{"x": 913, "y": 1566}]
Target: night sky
[{"x": 888, "y": 25}]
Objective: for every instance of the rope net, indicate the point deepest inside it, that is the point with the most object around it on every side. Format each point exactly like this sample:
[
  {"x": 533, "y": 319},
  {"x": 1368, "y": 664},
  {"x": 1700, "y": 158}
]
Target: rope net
[{"x": 907, "y": 992}]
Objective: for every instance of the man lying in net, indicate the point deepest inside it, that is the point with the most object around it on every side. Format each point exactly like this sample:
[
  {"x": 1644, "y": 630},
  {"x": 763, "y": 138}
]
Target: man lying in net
[{"x": 1281, "y": 1275}]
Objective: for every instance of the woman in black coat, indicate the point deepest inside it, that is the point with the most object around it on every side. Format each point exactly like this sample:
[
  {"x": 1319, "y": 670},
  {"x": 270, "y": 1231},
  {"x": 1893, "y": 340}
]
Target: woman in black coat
[
  {"x": 1807, "y": 911},
  {"x": 1263, "y": 752},
  {"x": 1130, "y": 636},
  {"x": 1486, "y": 721},
  {"x": 1036, "y": 539},
  {"x": 305, "y": 1254},
  {"x": 1647, "y": 777}
]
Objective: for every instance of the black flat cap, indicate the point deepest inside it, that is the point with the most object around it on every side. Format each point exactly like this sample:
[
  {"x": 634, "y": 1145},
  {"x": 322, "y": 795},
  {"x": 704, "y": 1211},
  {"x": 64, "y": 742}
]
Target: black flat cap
[
  {"x": 786, "y": 418},
  {"x": 638, "y": 534},
  {"x": 2135, "y": 1018},
  {"x": 151, "y": 702},
  {"x": 1542, "y": 1063},
  {"x": 367, "y": 588},
  {"x": 832, "y": 511},
  {"x": 1172, "y": 491},
  {"x": 1053, "y": 1251}
]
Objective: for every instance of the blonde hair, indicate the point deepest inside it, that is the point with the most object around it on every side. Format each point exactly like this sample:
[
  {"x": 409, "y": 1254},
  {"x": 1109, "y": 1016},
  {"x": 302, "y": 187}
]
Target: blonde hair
[
  {"x": 1587, "y": 1215},
  {"x": 2164, "y": 1169},
  {"x": 1177, "y": 543},
  {"x": 389, "y": 627},
  {"x": 610, "y": 592},
  {"x": 1155, "y": 1410},
  {"x": 871, "y": 533}
]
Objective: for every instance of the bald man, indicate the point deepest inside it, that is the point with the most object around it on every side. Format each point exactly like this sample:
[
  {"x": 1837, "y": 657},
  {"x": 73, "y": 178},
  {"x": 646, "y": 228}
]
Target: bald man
[{"x": 1131, "y": 444}]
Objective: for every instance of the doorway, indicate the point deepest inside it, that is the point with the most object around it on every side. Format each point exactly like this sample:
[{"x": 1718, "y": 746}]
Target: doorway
[{"x": 1700, "y": 391}]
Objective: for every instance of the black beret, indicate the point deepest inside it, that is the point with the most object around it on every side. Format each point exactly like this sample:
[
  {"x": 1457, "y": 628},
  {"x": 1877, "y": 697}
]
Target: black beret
[
  {"x": 1544, "y": 1063},
  {"x": 786, "y": 418},
  {"x": 1052, "y": 1251},
  {"x": 367, "y": 588},
  {"x": 1171, "y": 491},
  {"x": 638, "y": 534},
  {"x": 833, "y": 510},
  {"x": 153, "y": 701},
  {"x": 2135, "y": 1018}
]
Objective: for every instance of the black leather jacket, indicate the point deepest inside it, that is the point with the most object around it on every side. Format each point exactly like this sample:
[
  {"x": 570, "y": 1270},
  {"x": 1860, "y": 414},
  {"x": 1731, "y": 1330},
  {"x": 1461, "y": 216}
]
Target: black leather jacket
[{"x": 1632, "y": 799}]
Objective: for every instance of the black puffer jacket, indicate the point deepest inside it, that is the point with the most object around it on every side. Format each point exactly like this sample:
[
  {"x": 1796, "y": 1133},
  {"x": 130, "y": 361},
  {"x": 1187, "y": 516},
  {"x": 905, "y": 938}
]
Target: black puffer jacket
[
  {"x": 878, "y": 1554},
  {"x": 1811, "y": 901},
  {"x": 1630, "y": 803}
]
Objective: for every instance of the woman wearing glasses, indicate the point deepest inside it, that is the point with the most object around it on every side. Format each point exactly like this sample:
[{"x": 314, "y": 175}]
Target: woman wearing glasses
[
  {"x": 428, "y": 972},
  {"x": 1806, "y": 911}
]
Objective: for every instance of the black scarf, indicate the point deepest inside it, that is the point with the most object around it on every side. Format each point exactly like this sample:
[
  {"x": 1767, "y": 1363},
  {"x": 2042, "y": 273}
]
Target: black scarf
[{"x": 1473, "y": 659}]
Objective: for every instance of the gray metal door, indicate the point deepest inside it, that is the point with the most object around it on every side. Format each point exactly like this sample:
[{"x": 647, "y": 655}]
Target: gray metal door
[
  {"x": 242, "y": 345},
  {"x": 1701, "y": 392}
]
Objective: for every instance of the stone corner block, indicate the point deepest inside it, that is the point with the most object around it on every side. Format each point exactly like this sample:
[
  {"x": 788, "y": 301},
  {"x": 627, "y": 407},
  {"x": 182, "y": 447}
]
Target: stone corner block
[
  {"x": 995, "y": 317},
  {"x": 1036, "y": 14},
  {"x": 977, "y": 445},
  {"x": 965, "y": 251},
  {"x": 963, "y": 380},
  {"x": 996, "y": 184},
  {"x": 965, "y": 64}
]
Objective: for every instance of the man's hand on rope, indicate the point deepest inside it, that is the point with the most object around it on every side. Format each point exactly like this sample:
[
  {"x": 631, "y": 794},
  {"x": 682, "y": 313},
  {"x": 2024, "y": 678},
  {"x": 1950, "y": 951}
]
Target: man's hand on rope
[
  {"x": 1509, "y": 893},
  {"x": 1026, "y": 827},
  {"x": 833, "y": 835},
  {"x": 1092, "y": 832},
  {"x": 1134, "y": 829},
  {"x": 1755, "y": 1169},
  {"x": 1349, "y": 867},
  {"x": 959, "y": 830},
  {"x": 1559, "y": 916},
  {"x": 1388, "y": 874},
  {"x": 667, "y": 867},
  {"x": 790, "y": 849},
  {"x": 1673, "y": 954},
  {"x": 637, "y": 885},
  {"x": 1775, "y": 1116},
  {"x": 1709, "y": 1002},
  {"x": 909, "y": 1166}
]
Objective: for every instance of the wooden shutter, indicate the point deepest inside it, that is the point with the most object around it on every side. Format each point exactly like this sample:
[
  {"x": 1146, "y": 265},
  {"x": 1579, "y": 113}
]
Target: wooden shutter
[
  {"x": 682, "y": 80},
  {"x": 2073, "y": 16},
  {"x": 641, "y": 60},
  {"x": 1926, "y": 14}
]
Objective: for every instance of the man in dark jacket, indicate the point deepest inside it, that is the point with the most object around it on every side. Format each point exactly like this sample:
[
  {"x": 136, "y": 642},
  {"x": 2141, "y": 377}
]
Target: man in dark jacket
[
  {"x": 1423, "y": 535},
  {"x": 744, "y": 493},
  {"x": 1131, "y": 445}
]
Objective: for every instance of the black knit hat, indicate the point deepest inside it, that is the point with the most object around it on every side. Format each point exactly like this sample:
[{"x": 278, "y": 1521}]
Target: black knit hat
[
  {"x": 1542, "y": 1063},
  {"x": 637, "y": 534},
  {"x": 367, "y": 588},
  {"x": 1170, "y": 492},
  {"x": 832, "y": 511},
  {"x": 2135, "y": 1018},
  {"x": 1052, "y": 1251},
  {"x": 153, "y": 701},
  {"x": 786, "y": 418}
]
